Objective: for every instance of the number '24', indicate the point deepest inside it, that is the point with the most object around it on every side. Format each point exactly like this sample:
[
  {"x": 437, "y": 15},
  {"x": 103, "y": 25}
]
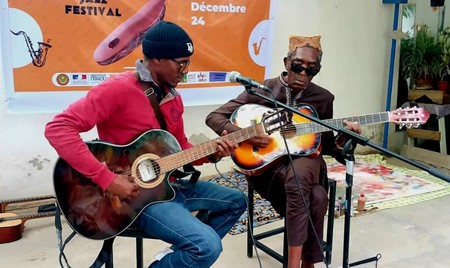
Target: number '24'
[{"x": 197, "y": 20}]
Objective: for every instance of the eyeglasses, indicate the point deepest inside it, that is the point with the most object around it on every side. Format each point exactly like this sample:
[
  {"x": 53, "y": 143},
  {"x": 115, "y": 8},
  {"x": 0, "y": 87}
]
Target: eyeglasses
[
  {"x": 184, "y": 64},
  {"x": 298, "y": 68}
]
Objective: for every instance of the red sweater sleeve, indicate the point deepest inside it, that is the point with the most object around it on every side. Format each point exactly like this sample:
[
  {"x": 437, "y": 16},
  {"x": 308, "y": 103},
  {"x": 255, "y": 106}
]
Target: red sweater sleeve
[{"x": 63, "y": 133}]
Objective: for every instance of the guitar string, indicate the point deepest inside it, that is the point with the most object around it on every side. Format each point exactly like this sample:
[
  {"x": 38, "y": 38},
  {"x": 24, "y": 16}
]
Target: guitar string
[
  {"x": 202, "y": 150},
  {"x": 165, "y": 164},
  {"x": 208, "y": 148}
]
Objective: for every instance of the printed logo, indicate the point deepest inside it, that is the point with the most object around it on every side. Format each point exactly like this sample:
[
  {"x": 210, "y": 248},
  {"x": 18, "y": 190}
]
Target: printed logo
[
  {"x": 79, "y": 79},
  {"x": 190, "y": 47},
  {"x": 62, "y": 79},
  {"x": 257, "y": 46},
  {"x": 258, "y": 43},
  {"x": 202, "y": 77}
]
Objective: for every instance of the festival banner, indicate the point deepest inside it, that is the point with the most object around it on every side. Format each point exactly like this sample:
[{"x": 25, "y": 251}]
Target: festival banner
[{"x": 68, "y": 45}]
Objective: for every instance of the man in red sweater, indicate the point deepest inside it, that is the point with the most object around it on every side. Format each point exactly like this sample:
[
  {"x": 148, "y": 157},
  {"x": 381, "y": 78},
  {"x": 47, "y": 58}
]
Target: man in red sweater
[{"x": 121, "y": 112}]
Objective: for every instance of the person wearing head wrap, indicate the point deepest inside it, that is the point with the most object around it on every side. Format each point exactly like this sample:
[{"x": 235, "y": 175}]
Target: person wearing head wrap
[
  {"x": 121, "y": 111},
  {"x": 292, "y": 188}
]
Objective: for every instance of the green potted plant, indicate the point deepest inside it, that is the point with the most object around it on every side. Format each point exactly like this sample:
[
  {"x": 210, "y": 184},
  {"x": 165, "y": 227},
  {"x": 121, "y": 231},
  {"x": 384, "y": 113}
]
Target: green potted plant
[
  {"x": 444, "y": 68},
  {"x": 420, "y": 58}
]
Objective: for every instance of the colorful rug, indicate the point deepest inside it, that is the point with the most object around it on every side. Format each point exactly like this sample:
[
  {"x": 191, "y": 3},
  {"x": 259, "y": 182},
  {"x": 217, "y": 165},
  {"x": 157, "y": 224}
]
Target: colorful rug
[
  {"x": 263, "y": 211},
  {"x": 384, "y": 186}
]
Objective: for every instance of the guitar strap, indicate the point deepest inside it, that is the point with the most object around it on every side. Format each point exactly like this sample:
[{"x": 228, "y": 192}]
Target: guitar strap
[
  {"x": 150, "y": 89},
  {"x": 61, "y": 245}
]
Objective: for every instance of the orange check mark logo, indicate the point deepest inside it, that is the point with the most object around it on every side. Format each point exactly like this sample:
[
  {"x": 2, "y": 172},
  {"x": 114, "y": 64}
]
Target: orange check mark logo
[{"x": 257, "y": 46}]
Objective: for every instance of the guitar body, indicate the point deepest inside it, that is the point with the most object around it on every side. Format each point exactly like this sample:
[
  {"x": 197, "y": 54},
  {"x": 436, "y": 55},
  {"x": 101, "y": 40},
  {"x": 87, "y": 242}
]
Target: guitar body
[
  {"x": 12, "y": 225},
  {"x": 252, "y": 160},
  {"x": 95, "y": 214},
  {"x": 10, "y": 231}
]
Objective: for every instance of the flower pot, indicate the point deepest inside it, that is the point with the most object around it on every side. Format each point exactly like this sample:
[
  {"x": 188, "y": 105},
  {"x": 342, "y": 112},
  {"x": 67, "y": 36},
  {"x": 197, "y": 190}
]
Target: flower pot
[
  {"x": 442, "y": 85},
  {"x": 424, "y": 82},
  {"x": 437, "y": 3}
]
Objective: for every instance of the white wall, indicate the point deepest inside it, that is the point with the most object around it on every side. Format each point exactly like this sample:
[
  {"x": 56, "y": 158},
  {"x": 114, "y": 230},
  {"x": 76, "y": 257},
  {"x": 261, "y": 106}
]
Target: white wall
[{"x": 356, "y": 42}]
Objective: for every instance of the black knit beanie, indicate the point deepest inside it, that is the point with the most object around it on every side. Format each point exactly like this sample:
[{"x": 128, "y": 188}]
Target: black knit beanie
[{"x": 166, "y": 40}]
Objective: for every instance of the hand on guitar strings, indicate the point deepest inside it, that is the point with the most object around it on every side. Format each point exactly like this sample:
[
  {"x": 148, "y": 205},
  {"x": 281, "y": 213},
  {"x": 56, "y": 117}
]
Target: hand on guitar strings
[
  {"x": 123, "y": 187},
  {"x": 225, "y": 147},
  {"x": 260, "y": 141}
]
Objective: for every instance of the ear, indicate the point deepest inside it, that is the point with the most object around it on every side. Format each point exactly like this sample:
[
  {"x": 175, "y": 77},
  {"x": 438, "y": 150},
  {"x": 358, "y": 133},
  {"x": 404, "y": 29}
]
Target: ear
[
  {"x": 285, "y": 60},
  {"x": 156, "y": 61},
  {"x": 319, "y": 67}
]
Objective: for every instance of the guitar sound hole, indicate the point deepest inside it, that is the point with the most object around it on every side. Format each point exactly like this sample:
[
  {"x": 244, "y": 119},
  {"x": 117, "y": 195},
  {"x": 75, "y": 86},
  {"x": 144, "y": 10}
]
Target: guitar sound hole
[
  {"x": 289, "y": 131},
  {"x": 148, "y": 170}
]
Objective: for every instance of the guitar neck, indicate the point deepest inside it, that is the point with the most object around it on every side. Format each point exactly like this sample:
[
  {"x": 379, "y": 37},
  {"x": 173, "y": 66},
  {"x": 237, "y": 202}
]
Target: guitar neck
[
  {"x": 192, "y": 154},
  {"x": 29, "y": 216},
  {"x": 27, "y": 199},
  {"x": 368, "y": 119},
  {"x": 4, "y": 203}
]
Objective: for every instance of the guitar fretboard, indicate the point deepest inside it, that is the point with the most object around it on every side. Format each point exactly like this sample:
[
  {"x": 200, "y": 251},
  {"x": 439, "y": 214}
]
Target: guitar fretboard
[
  {"x": 190, "y": 155},
  {"x": 313, "y": 127},
  {"x": 28, "y": 216},
  {"x": 27, "y": 199}
]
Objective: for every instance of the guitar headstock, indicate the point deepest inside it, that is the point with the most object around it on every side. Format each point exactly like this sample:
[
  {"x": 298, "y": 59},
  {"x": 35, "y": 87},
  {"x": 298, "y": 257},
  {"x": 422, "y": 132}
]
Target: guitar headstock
[
  {"x": 409, "y": 117},
  {"x": 275, "y": 120}
]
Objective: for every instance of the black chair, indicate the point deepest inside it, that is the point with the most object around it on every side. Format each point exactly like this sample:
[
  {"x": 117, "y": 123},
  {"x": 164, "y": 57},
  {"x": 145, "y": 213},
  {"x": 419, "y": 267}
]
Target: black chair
[
  {"x": 106, "y": 255},
  {"x": 327, "y": 244},
  {"x": 107, "y": 248}
]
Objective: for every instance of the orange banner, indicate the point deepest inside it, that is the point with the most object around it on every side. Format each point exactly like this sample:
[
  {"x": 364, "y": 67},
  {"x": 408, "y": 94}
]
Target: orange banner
[{"x": 73, "y": 45}]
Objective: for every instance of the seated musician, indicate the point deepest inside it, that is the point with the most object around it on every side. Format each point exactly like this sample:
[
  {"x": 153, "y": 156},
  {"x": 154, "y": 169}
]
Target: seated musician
[
  {"x": 121, "y": 112},
  {"x": 296, "y": 191}
]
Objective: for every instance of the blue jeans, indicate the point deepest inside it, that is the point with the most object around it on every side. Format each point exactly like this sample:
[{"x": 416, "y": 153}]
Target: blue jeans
[{"x": 195, "y": 243}]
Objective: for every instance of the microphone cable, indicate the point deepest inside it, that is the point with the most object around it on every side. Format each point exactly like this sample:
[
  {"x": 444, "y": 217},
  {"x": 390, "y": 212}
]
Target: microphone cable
[{"x": 282, "y": 131}]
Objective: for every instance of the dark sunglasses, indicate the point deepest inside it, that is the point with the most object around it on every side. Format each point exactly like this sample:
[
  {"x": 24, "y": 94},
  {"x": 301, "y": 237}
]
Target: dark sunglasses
[
  {"x": 183, "y": 64},
  {"x": 298, "y": 68}
]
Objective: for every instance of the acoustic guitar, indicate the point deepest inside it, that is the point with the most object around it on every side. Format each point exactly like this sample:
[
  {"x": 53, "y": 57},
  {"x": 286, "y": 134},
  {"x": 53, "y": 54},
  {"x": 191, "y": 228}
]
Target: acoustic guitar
[
  {"x": 6, "y": 202},
  {"x": 303, "y": 135},
  {"x": 151, "y": 158},
  {"x": 12, "y": 225}
]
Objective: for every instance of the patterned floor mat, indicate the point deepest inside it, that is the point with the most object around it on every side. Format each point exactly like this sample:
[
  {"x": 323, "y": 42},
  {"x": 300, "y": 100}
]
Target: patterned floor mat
[
  {"x": 263, "y": 211},
  {"x": 385, "y": 186}
]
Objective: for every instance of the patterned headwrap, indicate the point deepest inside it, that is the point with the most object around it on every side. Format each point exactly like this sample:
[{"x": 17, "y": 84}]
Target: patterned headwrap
[{"x": 296, "y": 41}]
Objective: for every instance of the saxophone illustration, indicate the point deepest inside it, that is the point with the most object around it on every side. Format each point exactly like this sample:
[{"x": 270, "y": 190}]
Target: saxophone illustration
[{"x": 39, "y": 56}]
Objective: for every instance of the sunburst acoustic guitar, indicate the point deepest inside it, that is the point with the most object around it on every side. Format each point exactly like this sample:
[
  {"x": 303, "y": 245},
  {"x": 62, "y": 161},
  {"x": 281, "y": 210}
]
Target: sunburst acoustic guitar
[
  {"x": 151, "y": 158},
  {"x": 303, "y": 136}
]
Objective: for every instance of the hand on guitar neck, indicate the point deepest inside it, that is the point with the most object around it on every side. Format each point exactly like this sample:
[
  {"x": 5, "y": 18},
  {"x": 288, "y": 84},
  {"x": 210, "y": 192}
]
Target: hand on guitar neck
[{"x": 352, "y": 126}]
